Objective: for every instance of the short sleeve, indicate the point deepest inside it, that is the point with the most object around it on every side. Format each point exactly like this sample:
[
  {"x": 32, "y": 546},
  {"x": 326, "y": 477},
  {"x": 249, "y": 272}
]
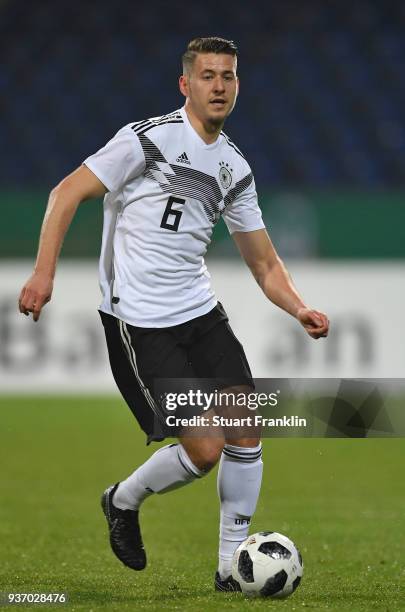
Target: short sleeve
[
  {"x": 242, "y": 212},
  {"x": 119, "y": 161}
]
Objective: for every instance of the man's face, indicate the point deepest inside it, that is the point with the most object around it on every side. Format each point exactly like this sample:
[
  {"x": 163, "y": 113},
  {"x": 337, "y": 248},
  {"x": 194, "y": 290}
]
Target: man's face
[{"x": 211, "y": 86}]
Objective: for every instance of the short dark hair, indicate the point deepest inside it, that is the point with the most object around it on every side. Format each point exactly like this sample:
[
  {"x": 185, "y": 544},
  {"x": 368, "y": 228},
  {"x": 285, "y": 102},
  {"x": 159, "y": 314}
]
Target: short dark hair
[{"x": 209, "y": 44}]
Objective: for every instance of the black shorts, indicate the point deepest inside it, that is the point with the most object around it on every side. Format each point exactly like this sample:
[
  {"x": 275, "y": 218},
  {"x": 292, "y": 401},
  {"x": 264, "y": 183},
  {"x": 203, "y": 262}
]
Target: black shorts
[{"x": 203, "y": 348}]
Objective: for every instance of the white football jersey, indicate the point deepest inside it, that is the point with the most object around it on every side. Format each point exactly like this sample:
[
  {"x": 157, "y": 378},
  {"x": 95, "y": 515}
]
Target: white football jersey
[{"x": 167, "y": 189}]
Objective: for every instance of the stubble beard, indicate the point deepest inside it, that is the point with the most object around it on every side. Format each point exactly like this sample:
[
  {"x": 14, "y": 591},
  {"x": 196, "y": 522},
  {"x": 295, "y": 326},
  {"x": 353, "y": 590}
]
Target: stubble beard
[{"x": 215, "y": 123}]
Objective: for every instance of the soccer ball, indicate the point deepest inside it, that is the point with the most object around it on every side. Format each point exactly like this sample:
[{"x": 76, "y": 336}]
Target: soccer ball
[{"x": 267, "y": 564}]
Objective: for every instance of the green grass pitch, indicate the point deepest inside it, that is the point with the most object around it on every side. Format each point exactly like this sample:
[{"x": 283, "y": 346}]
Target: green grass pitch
[{"x": 341, "y": 501}]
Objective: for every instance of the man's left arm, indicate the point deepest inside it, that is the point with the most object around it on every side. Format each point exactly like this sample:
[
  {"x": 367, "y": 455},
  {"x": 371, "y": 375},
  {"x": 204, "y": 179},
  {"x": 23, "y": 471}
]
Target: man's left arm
[{"x": 273, "y": 278}]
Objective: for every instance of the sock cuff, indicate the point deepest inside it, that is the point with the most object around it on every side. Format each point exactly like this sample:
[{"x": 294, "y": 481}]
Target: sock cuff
[
  {"x": 242, "y": 454},
  {"x": 187, "y": 464}
]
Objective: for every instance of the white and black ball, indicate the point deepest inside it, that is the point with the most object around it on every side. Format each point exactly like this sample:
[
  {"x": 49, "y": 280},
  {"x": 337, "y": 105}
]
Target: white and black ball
[{"x": 267, "y": 564}]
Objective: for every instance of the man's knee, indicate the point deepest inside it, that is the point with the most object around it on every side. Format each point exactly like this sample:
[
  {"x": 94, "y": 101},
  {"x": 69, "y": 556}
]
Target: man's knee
[{"x": 203, "y": 452}]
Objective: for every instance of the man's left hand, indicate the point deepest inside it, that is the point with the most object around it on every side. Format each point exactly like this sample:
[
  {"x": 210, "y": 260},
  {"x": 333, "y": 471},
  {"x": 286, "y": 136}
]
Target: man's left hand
[{"x": 315, "y": 323}]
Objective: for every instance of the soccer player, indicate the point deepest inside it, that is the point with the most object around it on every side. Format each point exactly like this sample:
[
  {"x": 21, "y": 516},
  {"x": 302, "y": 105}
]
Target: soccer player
[{"x": 166, "y": 182}]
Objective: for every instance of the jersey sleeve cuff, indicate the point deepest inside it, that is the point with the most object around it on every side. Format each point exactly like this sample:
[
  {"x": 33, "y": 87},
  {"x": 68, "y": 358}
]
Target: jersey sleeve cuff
[
  {"x": 88, "y": 163},
  {"x": 245, "y": 228}
]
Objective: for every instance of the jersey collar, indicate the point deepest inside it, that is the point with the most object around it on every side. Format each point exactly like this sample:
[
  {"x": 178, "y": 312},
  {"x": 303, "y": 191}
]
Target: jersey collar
[{"x": 196, "y": 136}]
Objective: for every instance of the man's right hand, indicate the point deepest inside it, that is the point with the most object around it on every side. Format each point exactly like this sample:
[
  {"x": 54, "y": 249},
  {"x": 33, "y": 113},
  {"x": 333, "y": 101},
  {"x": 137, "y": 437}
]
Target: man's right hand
[
  {"x": 36, "y": 292},
  {"x": 64, "y": 199}
]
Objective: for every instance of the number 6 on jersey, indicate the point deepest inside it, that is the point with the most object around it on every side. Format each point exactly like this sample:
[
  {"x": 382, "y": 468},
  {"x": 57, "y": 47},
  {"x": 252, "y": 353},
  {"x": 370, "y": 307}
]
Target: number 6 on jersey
[{"x": 172, "y": 211}]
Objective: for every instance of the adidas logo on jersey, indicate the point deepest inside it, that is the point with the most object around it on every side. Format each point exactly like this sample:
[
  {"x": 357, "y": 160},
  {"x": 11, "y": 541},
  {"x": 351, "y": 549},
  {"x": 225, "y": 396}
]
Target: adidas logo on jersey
[{"x": 183, "y": 159}]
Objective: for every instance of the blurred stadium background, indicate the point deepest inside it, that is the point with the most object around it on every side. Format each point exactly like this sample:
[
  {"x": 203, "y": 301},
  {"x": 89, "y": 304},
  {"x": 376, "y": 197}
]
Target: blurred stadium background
[{"x": 321, "y": 119}]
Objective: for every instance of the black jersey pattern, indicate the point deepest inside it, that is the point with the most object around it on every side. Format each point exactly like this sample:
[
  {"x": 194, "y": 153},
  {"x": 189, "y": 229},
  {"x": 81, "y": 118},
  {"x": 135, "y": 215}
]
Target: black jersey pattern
[
  {"x": 182, "y": 181},
  {"x": 238, "y": 189}
]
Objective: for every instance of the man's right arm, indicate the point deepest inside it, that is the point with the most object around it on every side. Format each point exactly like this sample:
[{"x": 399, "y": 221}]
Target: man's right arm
[{"x": 64, "y": 199}]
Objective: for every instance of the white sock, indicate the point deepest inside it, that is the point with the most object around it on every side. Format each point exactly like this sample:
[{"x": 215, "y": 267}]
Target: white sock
[
  {"x": 168, "y": 468},
  {"x": 239, "y": 480}
]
